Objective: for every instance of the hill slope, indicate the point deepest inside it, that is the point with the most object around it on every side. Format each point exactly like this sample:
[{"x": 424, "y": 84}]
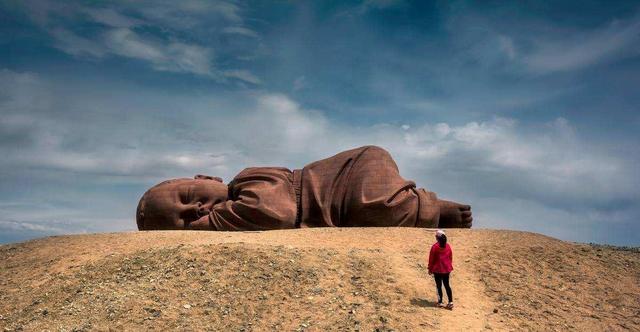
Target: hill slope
[{"x": 314, "y": 279}]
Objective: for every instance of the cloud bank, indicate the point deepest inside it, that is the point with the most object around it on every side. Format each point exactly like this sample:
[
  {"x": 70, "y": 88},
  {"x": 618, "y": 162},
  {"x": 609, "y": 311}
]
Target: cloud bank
[{"x": 123, "y": 30}]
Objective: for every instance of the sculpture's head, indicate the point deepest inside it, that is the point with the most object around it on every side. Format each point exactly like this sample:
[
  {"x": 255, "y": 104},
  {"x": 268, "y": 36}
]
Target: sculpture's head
[{"x": 180, "y": 203}]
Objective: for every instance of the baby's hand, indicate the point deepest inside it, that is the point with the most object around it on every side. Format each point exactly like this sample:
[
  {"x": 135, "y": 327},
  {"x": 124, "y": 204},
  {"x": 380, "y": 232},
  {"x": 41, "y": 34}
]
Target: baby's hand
[{"x": 200, "y": 224}]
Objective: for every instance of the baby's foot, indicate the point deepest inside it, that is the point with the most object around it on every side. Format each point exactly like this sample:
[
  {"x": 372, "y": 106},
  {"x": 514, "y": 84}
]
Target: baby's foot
[{"x": 454, "y": 215}]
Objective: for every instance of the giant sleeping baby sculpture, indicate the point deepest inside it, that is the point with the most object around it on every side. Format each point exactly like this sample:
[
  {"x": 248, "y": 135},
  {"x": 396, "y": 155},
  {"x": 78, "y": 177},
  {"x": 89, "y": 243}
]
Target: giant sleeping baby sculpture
[{"x": 355, "y": 188}]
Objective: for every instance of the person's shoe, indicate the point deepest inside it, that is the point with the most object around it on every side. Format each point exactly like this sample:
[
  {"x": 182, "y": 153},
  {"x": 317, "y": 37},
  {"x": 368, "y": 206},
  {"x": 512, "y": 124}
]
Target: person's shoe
[
  {"x": 440, "y": 305},
  {"x": 450, "y": 306}
]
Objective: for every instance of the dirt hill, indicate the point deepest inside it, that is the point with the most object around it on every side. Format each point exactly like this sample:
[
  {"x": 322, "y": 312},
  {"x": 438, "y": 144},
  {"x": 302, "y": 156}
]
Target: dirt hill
[{"x": 363, "y": 279}]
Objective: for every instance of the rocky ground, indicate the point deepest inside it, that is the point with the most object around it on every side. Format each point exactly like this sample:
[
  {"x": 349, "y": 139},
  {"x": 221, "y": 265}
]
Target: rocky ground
[{"x": 367, "y": 279}]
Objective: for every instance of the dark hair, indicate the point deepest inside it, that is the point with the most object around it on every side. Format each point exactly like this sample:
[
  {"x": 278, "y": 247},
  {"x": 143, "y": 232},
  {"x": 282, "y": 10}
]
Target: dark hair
[{"x": 442, "y": 240}]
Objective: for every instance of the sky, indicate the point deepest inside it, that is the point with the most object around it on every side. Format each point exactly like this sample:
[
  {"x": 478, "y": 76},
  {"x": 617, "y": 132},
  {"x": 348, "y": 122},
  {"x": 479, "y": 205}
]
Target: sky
[{"x": 526, "y": 110}]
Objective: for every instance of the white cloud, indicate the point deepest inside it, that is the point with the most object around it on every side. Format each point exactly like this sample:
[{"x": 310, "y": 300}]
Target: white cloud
[
  {"x": 112, "y": 18},
  {"x": 368, "y": 5},
  {"x": 560, "y": 51},
  {"x": 188, "y": 13},
  {"x": 127, "y": 43},
  {"x": 174, "y": 56},
  {"x": 550, "y": 160},
  {"x": 240, "y": 31},
  {"x": 75, "y": 45},
  {"x": 188, "y": 58},
  {"x": 243, "y": 75},
  {"x": 163, "y": 56},
  {"x": 39, "y": 135},
  {"x": 539, "y": 47},
  {"x": 128, "y": 35}
]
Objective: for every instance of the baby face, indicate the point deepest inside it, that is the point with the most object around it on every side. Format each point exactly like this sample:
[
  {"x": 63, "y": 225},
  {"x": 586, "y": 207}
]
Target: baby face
[{"x": 180, "y": 204}]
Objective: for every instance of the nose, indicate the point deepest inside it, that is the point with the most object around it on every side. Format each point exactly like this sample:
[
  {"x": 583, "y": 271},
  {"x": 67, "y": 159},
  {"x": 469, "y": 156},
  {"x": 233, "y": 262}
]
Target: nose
[{"x": 190, "y": 212}]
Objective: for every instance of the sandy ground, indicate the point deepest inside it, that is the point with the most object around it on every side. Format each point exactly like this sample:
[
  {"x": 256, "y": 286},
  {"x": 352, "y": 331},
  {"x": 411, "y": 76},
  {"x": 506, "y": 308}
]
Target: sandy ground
[{"x": 359, "y": 279}]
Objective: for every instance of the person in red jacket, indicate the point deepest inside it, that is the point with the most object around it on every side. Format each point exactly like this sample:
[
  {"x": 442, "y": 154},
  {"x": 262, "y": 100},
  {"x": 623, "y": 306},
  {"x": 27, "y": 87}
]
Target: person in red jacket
[{"x": 440, "y": 265}]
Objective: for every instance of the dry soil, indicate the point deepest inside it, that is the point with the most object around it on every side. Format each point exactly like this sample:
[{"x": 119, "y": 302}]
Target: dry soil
[{"x": 358, "y": 279}]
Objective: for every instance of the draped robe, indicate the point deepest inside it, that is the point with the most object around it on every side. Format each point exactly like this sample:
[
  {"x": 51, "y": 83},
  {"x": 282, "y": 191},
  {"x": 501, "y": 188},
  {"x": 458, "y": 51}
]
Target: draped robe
[{"x": 361, "y": 187}]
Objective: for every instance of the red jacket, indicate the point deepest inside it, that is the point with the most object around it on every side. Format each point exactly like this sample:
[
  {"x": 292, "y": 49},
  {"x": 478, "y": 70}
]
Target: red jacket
[{"x": 440, "y": 259}]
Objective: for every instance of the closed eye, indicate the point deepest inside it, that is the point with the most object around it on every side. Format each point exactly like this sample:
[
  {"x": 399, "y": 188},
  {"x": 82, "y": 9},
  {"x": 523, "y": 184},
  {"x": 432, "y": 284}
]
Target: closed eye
[{"x": 187, "y": 197}]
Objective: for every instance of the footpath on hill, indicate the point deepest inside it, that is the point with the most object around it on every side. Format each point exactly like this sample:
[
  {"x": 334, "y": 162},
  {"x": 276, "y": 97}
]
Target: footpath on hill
[{"x": 357, "y": 279}]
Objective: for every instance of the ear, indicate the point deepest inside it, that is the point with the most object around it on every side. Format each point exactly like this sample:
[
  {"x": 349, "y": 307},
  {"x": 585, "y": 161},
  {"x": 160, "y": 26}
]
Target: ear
[{"x": 207, "y": 177}]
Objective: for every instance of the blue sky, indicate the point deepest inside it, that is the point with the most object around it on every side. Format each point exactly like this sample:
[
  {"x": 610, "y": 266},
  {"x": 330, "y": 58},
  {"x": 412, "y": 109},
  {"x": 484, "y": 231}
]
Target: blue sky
[{"x": 528, "y": 111}]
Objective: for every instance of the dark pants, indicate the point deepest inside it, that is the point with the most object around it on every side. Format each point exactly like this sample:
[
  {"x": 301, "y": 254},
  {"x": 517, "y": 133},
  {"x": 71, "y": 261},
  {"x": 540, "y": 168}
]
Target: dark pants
[{"x": 443, "y": 278}]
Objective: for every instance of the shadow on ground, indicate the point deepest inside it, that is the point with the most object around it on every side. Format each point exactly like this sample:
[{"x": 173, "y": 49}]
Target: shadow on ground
[{"x": 422, "y": 302}]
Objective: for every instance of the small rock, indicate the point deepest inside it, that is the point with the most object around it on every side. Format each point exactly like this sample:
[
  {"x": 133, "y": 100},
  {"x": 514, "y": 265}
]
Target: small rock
[
  {"x": 153, "y": 312},
  {"x": 495, "y": 310},
  {"x": 187, "y": 306}
]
